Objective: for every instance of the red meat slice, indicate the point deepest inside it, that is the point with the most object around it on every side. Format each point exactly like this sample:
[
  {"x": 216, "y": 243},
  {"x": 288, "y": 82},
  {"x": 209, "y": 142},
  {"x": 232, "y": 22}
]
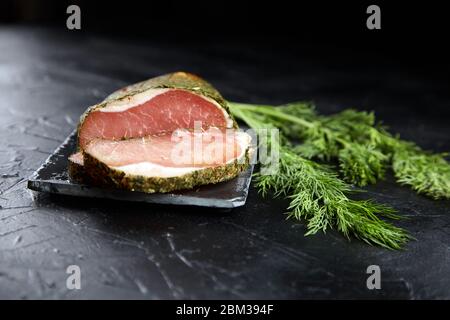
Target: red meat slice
[
  {"x": 150, "y": 113},
  {"x": 182, "y": 149}
]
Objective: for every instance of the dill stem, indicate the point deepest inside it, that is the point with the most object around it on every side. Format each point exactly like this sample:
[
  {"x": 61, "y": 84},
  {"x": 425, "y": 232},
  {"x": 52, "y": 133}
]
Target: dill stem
[{"x": 271, "y": 112}]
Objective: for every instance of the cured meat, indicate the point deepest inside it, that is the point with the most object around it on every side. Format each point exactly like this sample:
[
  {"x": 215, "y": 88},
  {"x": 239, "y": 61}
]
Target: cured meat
[
  {"x": 179, "y": 149},
  {"x": 152, "y": 112},
  {"x": 130, "y": 139},
  {"x": 159, "y": 105},
  {"x": 168, "y": 162}
]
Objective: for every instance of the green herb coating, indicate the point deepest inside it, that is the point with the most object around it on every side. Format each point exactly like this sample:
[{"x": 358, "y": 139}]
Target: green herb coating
[{"x": 77, "y": 172}]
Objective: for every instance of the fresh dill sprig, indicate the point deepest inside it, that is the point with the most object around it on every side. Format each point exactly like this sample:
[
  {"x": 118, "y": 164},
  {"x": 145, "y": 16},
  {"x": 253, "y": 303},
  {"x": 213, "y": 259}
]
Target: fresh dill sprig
[
  {"x": 316, "y": 193},
  {"x": 363, "y": 149},
  {"x": 349, "y": 137},
  {"x": 362, "y": 164},
  {"x": 426, "y": 173}
]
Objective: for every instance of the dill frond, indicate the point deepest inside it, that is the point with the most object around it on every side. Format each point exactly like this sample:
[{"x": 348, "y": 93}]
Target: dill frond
[
  {"x": 362, "y": 164},
  {"x": 316, "y": 194},
  {"x": 320, "y": 198},
  {"x": 364, "y": 151},
  {"x": 426, "y": 173},
  {"x": 363, "y": 148}
]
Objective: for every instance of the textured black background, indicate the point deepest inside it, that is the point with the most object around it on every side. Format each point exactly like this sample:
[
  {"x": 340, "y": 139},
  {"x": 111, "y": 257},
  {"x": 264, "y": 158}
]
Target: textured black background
[{"x": 269, "y": 53}]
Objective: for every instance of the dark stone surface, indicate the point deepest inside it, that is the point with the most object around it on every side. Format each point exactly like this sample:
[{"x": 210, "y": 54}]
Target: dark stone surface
[{"x": 130, "y": 250}]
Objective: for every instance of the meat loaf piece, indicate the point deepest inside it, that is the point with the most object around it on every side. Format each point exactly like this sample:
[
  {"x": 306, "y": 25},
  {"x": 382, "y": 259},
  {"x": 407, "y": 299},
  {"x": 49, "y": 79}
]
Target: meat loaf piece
[{"x": 127, "y": 141}]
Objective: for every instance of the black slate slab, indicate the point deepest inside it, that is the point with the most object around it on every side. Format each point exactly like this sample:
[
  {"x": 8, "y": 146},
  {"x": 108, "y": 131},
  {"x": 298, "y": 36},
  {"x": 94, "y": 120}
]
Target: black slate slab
[{"x": 53, "y": 177}]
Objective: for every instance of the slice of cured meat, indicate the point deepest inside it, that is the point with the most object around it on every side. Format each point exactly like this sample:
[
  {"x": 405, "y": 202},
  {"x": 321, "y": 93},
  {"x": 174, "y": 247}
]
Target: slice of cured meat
[
  {"x": 159, "y": 105},
  {"x": 168, "y": 162}
]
